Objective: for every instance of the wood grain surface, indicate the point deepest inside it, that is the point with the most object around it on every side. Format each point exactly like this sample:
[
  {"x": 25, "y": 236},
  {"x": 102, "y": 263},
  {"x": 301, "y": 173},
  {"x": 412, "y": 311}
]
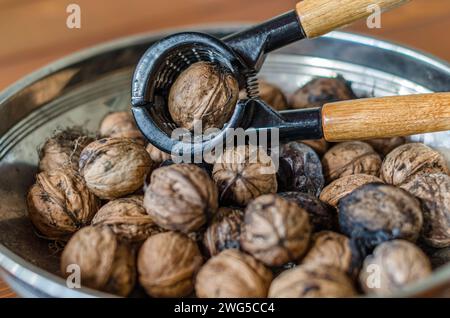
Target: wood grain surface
[{"x": 34, "y": 33}]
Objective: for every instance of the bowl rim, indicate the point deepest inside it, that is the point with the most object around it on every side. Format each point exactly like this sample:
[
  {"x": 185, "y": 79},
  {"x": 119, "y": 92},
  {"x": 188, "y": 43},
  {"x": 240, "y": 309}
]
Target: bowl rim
[{"x": 14, "y": 266}]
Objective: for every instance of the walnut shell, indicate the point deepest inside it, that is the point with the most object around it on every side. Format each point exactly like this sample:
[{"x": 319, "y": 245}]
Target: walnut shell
[
  {"x": 320, "y": 146},
  {"x": 271, "y": 94},
  {"x": 63, "y": 149},
  {"x": 405, "y": 162},
  {"x": 300, "y": 169},
  {"x": 385, "y": 145},
  {"x": 181, "y": 197},
  {"x": 104, "y": 263},
  {"x": 320, "y": 91},
  {"x": 167, "y": 264},
  {"x": 321, "y": 215},
  {"x": 433, "y": 190},
  {"x": 127, "y": 218},
  {"x": 351, "y": 157},
  {"x": 440, "y": 257},
  {"x": 311, "y": 281},
  {"x": 333, "y": 249},
  {"x": 120, "y": 125},
  {"x": 114, "y": 167},
  {"x": 224, "y": 231},
  {"x": 244, "y": 173},
  {"x": 204, "y": 92},
  {"x": 392, "y": 266},
  {"x": 378, "y": 212},
  {"x": 157, "y": 156},
  {"x": 59, "y": 203},
  {"x": 275, "y": 230},
  {"x": 339, "y": 188},
  {"x": 233, "y": 274}
]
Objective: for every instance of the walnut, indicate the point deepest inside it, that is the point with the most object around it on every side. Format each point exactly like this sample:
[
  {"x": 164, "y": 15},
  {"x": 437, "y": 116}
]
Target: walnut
[
  {"x": 396, "y": 264},
  {"x": 377, "y": 212},
  {"x": 104, "y": 263},
  {"x": 63, "y": 149},
  {"x": 385, "y": 145},
  {"x": 440, "y": 257},
  {"x": 120, "y": 124},
  {"x": 233, "y": 274},
  {"x": 320, "y": 146},
  {"x": 300, "y": 169},
  {"x": 405, "y": 162},
  {"x": 311, "y": 281},
  {"x": 204, "y": 92},
  {"x": 127, "y": 218},
  {"x": 271, "y": 94},
  {"x": 433, "y": 190},
  {"x": 350, "y": 157},
  {"x": 244, "y": 173},
  {"x": 339, "y": 188},
  {"x": 167, "y": 264},
  {"x": 157, "y": 156},
  {"x": 321, "y": 215},
  {"x": 224, "y": 231},
  {"x": 275, "y": 230},
  {"x": 333, "y": 249},
  {"x": 181, "y": 197},
  {"x": 59, "y": 203},
  {"x": 320, "y": 91},
  {"x": 114, "y": 167}
]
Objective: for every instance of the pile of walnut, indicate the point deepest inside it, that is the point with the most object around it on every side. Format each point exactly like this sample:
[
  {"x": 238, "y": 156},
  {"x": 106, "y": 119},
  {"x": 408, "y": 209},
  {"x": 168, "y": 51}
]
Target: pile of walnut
[{"x": 337, "y": 221}]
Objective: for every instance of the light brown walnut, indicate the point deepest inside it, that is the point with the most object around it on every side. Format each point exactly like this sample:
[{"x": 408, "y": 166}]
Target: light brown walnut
[{"x": 120, "y": 125}]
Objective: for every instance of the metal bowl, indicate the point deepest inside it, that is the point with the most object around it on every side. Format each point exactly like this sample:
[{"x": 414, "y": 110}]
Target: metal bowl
[{"x": 82, "y": 88}]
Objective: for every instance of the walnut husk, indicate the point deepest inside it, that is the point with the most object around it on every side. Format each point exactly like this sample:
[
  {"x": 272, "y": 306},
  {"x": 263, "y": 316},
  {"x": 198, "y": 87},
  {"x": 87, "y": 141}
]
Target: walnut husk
[
  {"x": 181, "y": 197},
  {"x": 244, "y": 173},
  {"x": 405, "y": 162},
  {"x": 114, "y": 167},
  {"x": 339, "y": 188},
  {"x": 167, "y": 264},
  {"x": 433, "y": 190},
  {"x": 127, "y": 218},
  {"x": 312, "y": 281},
  {"x": 120, "y": 125},
  {"x": 392, "y": 266},
  {"x": 59, "y": 203},
  {"x": 233, "y": 274},
  {"x": 352, "y": 157},
  {"x": 105, "y": 263},
  {"x": 275, "y": 230},
  {"x": 204, "y": 92}
]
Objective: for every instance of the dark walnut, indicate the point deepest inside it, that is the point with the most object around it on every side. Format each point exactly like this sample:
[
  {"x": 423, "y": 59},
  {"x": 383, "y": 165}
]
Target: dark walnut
[
  {"x": 385, "y": 145},
  {"x": 203, "y": 93},
  {"x": 320, "y": 146},
  {"x": 167, "y": 264},
  {"x": 404, "y": 163},
  {"x": 352, "y": 157},
  {"x": 299, "y": 169},
  {"x": 339, "y": 188},
  {"x": 320, "y": 91},
  {"x": 63, "y": 150},
  {"x": 392, "y": 266},
  {"x": 127, "y": 218},
  {"x": 271, "y": 94},
  {"x": 244, "y": 173},
  {"x": 321, "y": 215},
  {"x": 433, "y": 190},
  {"x": 157, "y": 156},
  {"x": 224, "y": 231},
  {"x": 312, "y": 281},
  {"x": 377, "y": 212},
  {"x": 120, "y": 125},
  {"x": 105, "y": 263},
  {"x": 275, "y": 230},
  {"x": 59, "y": 203},
  {"x": 333, "y": 249},
  {"x": 114, "y": 167},
  {"x": 440, "y": 257},
  {"x": 233, "y": 274},
  {"x": 181, "y": 197}
]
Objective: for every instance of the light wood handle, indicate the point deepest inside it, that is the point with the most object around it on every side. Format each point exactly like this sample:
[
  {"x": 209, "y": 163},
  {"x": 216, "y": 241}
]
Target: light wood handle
[
  {"x": 322, "y": 16},
  {"x": 386, "y": 116}
]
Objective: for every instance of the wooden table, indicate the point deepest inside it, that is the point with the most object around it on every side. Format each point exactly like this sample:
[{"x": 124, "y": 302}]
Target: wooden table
[{"x": 34, "y": 33}]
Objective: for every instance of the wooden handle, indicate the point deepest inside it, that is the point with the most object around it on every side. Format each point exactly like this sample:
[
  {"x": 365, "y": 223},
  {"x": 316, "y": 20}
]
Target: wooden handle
[
  {"x": 386, "y": 116},
  {"x": 322, "y": 16}
]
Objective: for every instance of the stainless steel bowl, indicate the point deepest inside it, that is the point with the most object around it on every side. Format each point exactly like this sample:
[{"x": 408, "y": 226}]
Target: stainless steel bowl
[{"x": 82, "y": 88}]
